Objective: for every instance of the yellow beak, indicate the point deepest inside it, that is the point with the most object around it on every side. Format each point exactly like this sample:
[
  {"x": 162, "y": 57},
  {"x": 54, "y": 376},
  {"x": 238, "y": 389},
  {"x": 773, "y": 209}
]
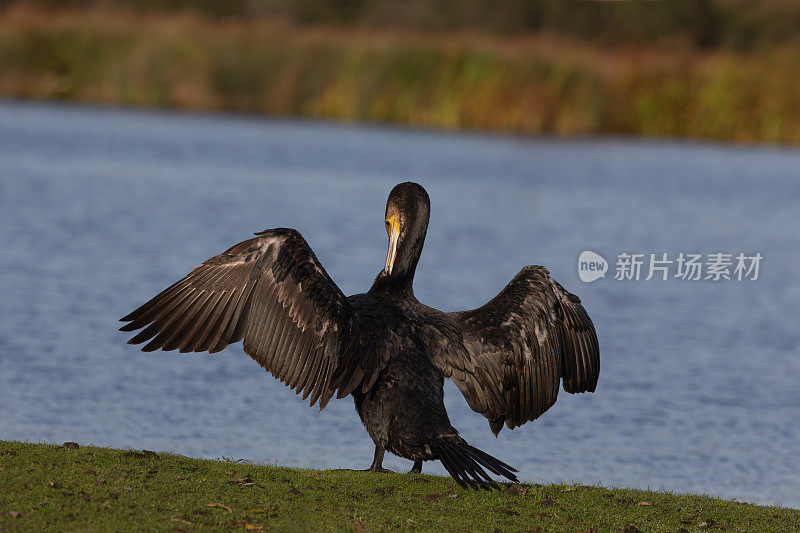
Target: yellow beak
[{"x": 393, "y": 229}]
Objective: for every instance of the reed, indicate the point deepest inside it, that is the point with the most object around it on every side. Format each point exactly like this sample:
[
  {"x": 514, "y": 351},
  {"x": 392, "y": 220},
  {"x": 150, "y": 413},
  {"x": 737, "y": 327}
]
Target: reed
[{"x": 453, "y": 80}]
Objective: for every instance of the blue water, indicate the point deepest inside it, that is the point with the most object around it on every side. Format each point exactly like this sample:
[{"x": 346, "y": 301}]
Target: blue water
[{"x": 100, "y": 209}]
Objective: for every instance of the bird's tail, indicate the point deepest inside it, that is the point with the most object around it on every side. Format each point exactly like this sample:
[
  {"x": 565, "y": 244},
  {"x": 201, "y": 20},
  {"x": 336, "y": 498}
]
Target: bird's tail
[{"x": 466, "y": 464}]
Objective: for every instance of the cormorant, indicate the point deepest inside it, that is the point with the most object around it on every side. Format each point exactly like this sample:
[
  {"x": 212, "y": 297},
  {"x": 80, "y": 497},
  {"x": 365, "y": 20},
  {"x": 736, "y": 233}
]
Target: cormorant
[{"x": 384, "y": 347}]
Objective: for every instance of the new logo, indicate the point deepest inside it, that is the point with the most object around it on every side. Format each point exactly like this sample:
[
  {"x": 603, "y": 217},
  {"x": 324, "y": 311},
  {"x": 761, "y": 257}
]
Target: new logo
[{"x": 591, "y": 266}]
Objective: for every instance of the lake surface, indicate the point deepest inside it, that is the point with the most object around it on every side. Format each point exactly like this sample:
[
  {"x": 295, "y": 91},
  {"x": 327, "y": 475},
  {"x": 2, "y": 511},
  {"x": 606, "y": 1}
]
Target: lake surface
[{"x": 101, "y": 209}]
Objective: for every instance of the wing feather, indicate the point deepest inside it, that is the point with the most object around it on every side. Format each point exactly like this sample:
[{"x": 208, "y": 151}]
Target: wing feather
[
  {"x": 308, "y": 365},
  {"x": 235, "y": 329},
  {"x": 519, "y": 346},
  {"x": 270, "y": 291},
  {"x": 311, "y": 377},
  {"x": 215, "y": 323},
  {"x": 199, "y": 327},
  {"x": 297, "y": 359}
]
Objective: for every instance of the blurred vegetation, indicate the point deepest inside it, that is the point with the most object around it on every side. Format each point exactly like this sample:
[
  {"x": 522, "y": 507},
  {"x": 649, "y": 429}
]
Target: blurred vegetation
[
  {"x": 719, "y": 69},
  {"x": 740, "y": 24}
]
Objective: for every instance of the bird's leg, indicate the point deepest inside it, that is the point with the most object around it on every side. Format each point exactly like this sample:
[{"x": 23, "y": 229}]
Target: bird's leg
[
  {"x": 417, "y": 468},
  {"x": 377, "y": 462}
]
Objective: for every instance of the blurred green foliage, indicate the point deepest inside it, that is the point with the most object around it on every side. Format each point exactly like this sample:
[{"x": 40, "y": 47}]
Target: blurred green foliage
[{"x": 718, "y": 69}]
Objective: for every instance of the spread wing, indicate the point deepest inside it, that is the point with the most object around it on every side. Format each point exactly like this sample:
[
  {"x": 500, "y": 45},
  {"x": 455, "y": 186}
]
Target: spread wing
[
  {"x": 270, "y": 291},
  {"x": 519, "y": 346}
]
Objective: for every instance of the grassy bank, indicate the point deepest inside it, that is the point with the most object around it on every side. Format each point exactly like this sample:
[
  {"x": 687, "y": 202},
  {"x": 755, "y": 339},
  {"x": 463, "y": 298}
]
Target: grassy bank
[
  {"x": 448, "y": 80},
  {"x": 99, "y": 489}
]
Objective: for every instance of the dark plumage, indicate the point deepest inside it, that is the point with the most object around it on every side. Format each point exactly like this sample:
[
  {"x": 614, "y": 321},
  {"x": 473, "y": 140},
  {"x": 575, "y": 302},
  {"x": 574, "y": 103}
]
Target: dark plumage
[{"x": 385, "y": 348}]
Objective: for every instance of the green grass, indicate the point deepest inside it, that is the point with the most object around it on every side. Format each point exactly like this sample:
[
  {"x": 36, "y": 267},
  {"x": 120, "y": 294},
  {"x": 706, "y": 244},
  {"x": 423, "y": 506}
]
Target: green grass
[{"x": 98, "y": 489}]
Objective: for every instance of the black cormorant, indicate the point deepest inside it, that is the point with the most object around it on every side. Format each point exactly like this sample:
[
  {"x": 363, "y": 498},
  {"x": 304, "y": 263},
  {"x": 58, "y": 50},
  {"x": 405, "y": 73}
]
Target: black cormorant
[{"x": 384, "y": 347}]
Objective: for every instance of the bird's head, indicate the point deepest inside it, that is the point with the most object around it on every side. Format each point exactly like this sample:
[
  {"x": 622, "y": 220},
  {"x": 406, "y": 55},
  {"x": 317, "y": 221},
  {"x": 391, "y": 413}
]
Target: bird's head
[{"x": 407, "y": 212}]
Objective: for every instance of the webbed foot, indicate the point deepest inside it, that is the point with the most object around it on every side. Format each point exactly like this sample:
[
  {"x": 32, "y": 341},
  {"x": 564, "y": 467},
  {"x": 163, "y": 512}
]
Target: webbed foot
[
  {"x": 377, "y": 462},
  {"x": 370, "y": 469},
  {"x": 379, "y": 469}
]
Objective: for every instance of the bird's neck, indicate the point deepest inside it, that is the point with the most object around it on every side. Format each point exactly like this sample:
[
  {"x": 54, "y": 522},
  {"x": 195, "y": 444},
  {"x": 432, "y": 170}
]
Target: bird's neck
[{"x": 398, "y": 285}]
